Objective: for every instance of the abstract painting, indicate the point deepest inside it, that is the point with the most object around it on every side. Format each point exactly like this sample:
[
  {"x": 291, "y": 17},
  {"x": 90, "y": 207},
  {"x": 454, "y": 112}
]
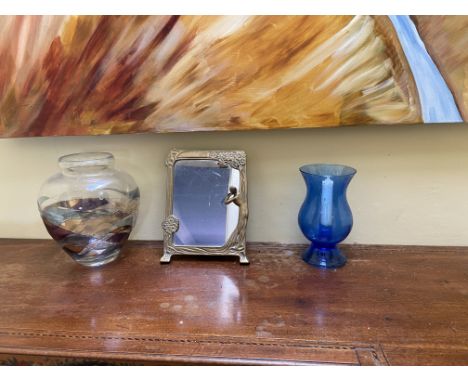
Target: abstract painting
[{"x": 92, "y": 75}]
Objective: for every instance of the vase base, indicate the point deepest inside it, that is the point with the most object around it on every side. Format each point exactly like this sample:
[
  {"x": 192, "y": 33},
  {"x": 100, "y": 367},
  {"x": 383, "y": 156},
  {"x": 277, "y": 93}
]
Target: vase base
[
  {"x": 324, "y": 257},
  {"x": 97, "y": 262}
]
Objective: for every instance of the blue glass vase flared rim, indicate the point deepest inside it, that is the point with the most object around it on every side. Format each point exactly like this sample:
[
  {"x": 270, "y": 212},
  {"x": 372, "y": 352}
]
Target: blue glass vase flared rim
[{"x": 323, "y": 170}]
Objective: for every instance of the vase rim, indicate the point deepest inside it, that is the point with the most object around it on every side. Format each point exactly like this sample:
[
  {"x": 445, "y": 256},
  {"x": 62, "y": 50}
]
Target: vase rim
[
  {"x": 327, "y": 170},
  {"x": 84, "y": 159}
]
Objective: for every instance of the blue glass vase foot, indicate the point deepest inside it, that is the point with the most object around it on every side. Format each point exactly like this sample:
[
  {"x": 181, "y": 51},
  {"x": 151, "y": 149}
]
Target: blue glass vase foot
[{"x": 324, "y": 257}]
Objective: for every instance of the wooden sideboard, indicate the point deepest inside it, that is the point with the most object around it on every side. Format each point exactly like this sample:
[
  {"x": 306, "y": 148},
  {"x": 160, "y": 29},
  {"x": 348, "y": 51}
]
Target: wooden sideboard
[{"x": 389, "y": 305}]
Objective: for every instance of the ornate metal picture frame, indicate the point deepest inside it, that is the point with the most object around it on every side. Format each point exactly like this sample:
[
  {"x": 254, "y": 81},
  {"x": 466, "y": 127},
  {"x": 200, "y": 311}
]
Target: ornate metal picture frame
[{"x": 235, "y": 244}]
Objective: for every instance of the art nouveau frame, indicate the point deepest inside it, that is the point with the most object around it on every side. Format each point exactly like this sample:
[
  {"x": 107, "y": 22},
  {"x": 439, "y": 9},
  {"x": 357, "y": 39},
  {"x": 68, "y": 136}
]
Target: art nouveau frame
[{"x": 235, "y": 245}]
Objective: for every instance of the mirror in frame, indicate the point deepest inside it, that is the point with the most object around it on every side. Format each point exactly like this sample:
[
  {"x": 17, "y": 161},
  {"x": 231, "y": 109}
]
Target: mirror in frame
[{"x": 206, "y": 208}]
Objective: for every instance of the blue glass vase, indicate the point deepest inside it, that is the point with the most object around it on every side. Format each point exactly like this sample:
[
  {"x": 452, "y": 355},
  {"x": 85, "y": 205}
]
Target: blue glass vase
[{"x": 325, "y": 217}]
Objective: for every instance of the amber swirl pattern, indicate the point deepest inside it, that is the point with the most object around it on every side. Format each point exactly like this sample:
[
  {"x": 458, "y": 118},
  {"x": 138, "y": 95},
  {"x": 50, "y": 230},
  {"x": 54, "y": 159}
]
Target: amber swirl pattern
[{"x": 90, "y": 75}]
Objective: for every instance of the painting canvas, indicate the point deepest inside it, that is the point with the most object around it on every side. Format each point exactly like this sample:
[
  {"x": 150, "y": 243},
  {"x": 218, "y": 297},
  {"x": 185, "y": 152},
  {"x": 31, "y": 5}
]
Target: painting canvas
[{"x": 90, "y": 75}]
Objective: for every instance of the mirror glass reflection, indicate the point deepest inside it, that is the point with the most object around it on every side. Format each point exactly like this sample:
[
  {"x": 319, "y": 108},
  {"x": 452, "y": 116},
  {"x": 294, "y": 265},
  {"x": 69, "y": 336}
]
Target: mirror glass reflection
[{"x": 199, "y": 192}]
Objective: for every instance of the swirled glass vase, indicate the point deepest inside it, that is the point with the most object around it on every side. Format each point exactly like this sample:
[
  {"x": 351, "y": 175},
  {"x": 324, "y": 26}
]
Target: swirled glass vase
[
  {"x": 89, "y": 207},
  {"x": 325, "y": 217}
]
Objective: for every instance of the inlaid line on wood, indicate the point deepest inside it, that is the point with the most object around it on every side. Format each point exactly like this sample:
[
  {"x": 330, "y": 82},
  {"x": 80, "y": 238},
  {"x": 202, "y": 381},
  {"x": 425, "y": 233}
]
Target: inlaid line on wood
[
  {"x": 366, "y": 354},
  {"x": 295, "y": 343}
]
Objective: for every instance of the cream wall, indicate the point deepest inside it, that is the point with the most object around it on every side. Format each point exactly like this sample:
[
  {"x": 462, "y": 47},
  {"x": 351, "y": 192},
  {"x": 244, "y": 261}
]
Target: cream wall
[{"x": 411, "y": 186}]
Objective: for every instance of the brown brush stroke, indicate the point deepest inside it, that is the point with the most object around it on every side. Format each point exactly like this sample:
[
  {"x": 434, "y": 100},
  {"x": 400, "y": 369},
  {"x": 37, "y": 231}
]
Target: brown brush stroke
[
  {"x": 445, "y": 40},
  {"x": 74, "y": 80},
  {"x": 81, "y": 92},
  {"x": 264, "y": 113},
  {"x": 403, "y": 73}
]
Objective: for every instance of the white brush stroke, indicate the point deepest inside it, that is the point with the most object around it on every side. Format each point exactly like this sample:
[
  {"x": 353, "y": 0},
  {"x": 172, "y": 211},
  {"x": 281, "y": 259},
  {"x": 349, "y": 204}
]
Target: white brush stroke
[{"x": 437, "y": 102}]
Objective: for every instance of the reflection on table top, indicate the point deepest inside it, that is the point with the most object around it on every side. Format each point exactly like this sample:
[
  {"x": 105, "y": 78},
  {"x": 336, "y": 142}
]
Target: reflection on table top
[{"x": 389, "y": 304}]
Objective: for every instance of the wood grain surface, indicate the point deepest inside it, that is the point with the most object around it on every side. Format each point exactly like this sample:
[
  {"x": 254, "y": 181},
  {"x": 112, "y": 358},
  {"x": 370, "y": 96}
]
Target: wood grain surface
[{"x": 388, "y": 305}]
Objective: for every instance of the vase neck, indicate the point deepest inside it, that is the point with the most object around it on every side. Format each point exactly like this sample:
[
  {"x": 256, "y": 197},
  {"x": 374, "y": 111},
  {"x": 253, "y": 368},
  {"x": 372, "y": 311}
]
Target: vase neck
[
  {"x": 91, "y": 163},
  {"x": 324, "y": 170}
]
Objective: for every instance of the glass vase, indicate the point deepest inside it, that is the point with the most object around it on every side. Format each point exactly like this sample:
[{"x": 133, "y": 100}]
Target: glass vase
[
  {"x": 325, "y": 217},
  {"x": 89, "y": 207}
]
